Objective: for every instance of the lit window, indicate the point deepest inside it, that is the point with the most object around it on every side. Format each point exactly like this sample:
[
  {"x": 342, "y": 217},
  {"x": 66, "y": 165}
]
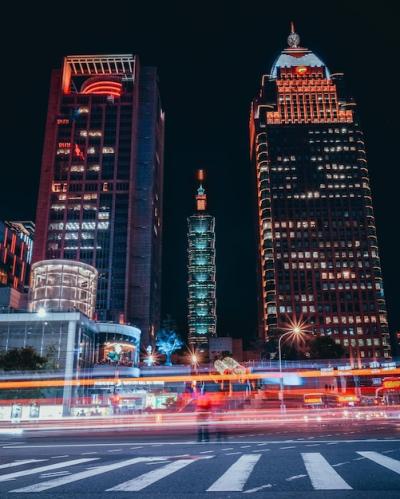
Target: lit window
[{"x": 108, "y": 150}]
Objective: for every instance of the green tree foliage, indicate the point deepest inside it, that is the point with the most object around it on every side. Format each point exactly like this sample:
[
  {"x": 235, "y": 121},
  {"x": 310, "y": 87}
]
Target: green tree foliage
[
  {"x": 22, "y": 359},
  {"x": 324, "y": 347}
]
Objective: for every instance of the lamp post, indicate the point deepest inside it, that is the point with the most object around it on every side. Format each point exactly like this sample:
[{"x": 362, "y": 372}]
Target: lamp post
[{"x": 296, "y": 331}]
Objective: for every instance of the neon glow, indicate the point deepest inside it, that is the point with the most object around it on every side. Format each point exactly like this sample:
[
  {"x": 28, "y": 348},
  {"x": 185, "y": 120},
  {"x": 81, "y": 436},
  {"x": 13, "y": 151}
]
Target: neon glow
[{"x": 103, "y": 88}]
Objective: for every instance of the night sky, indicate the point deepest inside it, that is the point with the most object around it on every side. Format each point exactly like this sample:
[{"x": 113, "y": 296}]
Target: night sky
[{"x": 210, "y": 60}]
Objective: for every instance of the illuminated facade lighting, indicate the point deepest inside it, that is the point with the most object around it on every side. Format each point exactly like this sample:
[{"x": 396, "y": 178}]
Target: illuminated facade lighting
[
  {"x": 63, "y": 285},
  {"x": 16, "y": 242},
  {"x": 202, "y": 319},
  {"x": 101, "y": 189},
  {"x": 317, "y": 246}
]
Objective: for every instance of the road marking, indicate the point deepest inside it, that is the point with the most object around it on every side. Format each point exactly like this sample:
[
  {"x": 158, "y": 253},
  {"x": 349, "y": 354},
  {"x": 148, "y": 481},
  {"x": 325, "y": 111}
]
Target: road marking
[
  {"x": 206, "y": 451},
  {"x": 295, "y": 477},
  {"x": 245, "y": 446},
  {"x": 259, "y": 445},
  {"x": 385, "y": 461},
  {"x": 256, "y": 489},
  {"x": 312, "y": 445},
  {"x": 143, "y": 481},
  {"x": 98, "y": 470},
  {"x": 321, "y": 473},
  {"x": 32, "y": 471},
  {"x": 88, "y": 453},
  {"x": 139, "y": 447},
  {"x": 56, "y": 473},
  {"x": 56, "y": 457},
  {"x": 341, "y": 464},
  {"x": 114, "y": 450},
  {"x": 235, "y": 477},
  {"x": 289, "y": 447},
  {"x": 158, "y": 462},
  {"x": 20, "y": 463},
  {"x": 228, "y": 448}
]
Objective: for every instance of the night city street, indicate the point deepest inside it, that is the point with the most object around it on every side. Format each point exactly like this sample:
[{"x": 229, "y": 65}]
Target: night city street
[
  {"x": 319, "y": 460},
  {"x": 199, "y": 256}
]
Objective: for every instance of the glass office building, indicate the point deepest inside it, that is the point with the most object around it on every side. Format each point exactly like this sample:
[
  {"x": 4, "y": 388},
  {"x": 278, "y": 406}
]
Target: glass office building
[
  {"x": 317, "y": 247},
  {"x": 100, "y": 194}
]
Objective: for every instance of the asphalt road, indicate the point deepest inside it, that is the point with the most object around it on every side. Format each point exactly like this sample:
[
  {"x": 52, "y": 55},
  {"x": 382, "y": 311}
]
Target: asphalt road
[{"x": 324, "y": 461}]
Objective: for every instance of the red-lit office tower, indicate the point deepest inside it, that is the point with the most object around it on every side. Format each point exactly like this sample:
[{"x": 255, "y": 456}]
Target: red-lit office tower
[
  {"x": 318, "y": 253},
  {"x": 101, "y": 186}
]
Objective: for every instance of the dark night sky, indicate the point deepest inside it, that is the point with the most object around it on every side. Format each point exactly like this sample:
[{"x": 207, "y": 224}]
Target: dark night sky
[{"x": 210, "y": 61}]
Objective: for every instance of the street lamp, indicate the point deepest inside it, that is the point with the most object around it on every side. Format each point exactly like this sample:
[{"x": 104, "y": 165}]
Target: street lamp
[
  {"x": 295, "y": 331},
  {"x": 41, "y": 312}
]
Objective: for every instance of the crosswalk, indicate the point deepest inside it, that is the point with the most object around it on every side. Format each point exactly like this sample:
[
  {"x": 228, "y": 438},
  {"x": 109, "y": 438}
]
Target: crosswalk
[{"x": 236, "y": 475}]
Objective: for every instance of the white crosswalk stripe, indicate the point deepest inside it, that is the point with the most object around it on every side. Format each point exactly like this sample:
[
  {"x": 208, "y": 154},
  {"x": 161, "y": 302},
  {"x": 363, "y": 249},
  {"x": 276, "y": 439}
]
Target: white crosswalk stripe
[
  {"x": 98, "y": 470},
  {"x": 321, "y": 473},
  {"x": 387, "y": 462},
  {"x": 21, "y": 463},
  {"x": 40, "y": 469},
  {"x": 234, "y": 479},
  {"x": 151, "y": 477}
]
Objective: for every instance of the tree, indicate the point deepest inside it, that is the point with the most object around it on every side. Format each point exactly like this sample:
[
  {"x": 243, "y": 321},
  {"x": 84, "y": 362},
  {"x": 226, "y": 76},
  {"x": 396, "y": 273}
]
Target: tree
[
  {"x": 324, "y": 347},
  {"x": 167, "y": 342},
  {"x": 22, "y": 359}
]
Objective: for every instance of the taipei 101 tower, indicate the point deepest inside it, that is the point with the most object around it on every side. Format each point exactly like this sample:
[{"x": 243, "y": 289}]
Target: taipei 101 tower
[{"x": 202, "y": 318}]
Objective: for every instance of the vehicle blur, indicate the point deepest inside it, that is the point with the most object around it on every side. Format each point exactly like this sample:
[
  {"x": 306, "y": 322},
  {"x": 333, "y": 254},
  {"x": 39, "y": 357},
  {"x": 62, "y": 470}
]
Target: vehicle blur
[{"x": 206, "y": 400}]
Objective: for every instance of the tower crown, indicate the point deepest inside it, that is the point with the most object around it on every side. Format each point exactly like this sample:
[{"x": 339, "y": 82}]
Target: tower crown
[
  {"x": 201, "y": 196},
  {"x": 296, "y": 56}
]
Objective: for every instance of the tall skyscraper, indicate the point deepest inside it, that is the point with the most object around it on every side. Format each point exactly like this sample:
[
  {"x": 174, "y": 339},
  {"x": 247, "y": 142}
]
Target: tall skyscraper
[
  {"x": 202, "y": 318},
  {"x": 318, "y": 252},
  {"x": 100, "y": 195}
]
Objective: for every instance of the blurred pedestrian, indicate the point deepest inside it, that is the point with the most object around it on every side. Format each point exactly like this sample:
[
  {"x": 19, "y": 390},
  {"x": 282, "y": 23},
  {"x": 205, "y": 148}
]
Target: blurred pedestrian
[{"x": 203, "y": 408}]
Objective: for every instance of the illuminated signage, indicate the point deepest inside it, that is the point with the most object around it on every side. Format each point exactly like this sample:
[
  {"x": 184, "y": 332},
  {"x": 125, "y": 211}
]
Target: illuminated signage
[
  {"x": 62, "y": 121},
  {"x": 301, "y": 70},
  {"x": 391, "y": 383}
]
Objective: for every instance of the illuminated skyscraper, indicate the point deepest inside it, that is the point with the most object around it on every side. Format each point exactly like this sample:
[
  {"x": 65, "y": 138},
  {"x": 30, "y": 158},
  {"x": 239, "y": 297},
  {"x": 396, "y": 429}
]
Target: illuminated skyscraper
[
  {"x": 100, "y": 195},
  {"x": 202, "y": 319},
  {"x": 318, "y": 252}
]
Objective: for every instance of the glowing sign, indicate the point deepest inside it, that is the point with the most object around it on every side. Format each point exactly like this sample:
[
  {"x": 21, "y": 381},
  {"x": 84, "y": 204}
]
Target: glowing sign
[
  {"x": 391, "y": 383},
  {"x": 313, "y": 399},
  {"x": 103, "y": 87},
  {"x": 62, "y": 121},
  {"x": 301, "y": 70}
]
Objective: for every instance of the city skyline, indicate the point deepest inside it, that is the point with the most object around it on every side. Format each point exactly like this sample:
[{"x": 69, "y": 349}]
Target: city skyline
[{"x": 223, "y": 151}]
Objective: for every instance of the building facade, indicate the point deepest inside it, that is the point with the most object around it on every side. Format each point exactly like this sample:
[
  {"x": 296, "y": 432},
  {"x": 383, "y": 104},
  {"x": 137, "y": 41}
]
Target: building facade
[
  {"x": 100, "y": 194},
  {"x": 16, "y": 242},
  {"x": 63, "y": 285},
  {"x": 202, "y": 318},
  {"x": 317, "y": 247}
]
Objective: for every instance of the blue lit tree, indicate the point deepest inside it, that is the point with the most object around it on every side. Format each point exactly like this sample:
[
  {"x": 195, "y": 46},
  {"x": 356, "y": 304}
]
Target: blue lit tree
[{"x": 167, "y": 342}]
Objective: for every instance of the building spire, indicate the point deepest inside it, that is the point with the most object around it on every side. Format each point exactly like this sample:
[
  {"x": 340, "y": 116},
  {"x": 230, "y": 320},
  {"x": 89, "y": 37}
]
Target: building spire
[
  {"x": 293, "y": 38},
  {"x": 201, "y": 197}
]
